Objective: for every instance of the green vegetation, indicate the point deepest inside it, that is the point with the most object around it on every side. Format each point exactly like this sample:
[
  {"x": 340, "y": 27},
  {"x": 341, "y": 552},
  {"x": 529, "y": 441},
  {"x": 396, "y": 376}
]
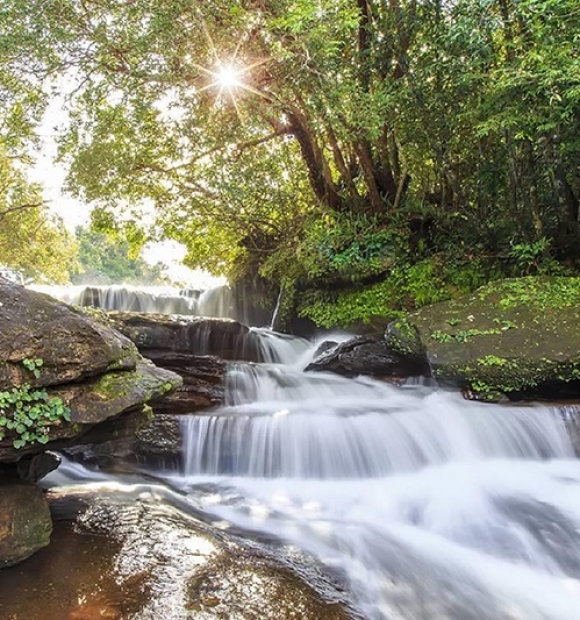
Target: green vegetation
[
  {"x": 412, "y": 149},
  {"x": 512, "y": 336},
  {"x": 27, "y": 413},
  {"x": 32, "y": 241},
  {"x": 107, "y": 258},
  {"x": 406, "y": 287}
]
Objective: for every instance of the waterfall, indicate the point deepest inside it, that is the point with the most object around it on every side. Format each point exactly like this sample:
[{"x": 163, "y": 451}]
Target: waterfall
[
  {"x": 422, "y": 505},
  {"x": 214, "y": 302},
  {"x": 427, "y": 505},
  {"x": 286, "y": 425}
]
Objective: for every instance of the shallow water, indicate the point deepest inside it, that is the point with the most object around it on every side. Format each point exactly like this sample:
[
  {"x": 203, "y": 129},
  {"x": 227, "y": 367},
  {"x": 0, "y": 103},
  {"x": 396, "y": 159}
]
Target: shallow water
[{"x": 422, "y": 505}]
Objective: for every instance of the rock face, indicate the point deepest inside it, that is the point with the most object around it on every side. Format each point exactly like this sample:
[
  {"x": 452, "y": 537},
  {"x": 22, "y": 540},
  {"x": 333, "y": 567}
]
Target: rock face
[
  {"x": 25, "y": 523},
  {"x": 517, "y": 338},
  {"x": 369, "y": 355},
  {"x": 195, "y": 348},
  {"x": 157, "y": 443},
  {"x": 96, "y": 371}
]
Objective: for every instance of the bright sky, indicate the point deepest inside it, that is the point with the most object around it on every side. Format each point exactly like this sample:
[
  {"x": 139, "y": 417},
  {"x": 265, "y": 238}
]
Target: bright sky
[{"x": 74, "y": 213}]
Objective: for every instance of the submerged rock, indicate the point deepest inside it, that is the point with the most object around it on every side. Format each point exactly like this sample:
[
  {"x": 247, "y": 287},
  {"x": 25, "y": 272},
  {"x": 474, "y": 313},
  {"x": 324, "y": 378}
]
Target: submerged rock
[
  {"x": 131, "y": 554},
  {"x": 25, "y": 523}
]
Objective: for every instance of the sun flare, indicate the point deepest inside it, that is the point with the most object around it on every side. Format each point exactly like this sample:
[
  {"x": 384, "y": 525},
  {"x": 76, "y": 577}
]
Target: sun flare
[{"x": 229, "y": 77}]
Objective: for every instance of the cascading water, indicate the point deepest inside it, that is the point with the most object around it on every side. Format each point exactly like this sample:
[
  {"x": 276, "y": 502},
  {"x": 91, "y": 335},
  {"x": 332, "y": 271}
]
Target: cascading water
[
  {"x": 425, "y": 506},
  {"x": 429, "y": 507},
  {"x": 213, "y": 302}
]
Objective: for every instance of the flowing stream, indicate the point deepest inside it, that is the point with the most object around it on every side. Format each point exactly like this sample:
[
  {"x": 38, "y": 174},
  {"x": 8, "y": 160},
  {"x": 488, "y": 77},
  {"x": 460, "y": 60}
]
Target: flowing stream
[{"x": 425, "y": 506}]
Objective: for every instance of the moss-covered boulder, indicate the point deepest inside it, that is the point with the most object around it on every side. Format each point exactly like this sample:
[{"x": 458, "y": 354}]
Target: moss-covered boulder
[
  {"x": 25, "y": 523},
  {"x": 518, "y": 338}
]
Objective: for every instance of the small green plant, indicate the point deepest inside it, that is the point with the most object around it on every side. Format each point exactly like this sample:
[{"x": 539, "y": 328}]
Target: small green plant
[
  {"x": 27, "y": 413},
  {"x": 34, "y": 365}
]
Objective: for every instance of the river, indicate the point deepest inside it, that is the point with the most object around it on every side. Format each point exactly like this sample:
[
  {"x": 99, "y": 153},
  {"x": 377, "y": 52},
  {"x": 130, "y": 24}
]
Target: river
[{"x": 426, "y": 506}]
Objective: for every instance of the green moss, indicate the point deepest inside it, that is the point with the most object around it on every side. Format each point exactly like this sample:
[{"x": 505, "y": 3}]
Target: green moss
[
  {"x": 407, "y": 286},
  {"x": 404, "y": 338},
  {"x": 513, "y": 337}
]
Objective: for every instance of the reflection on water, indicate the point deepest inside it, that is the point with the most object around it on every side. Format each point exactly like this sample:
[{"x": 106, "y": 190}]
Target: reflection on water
[{"x": 125, "y": 552}]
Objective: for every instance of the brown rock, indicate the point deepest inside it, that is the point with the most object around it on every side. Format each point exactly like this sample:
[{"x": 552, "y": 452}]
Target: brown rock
[
  {"x": 71, "y": 345},
  {"x": 25, "y": 524}
]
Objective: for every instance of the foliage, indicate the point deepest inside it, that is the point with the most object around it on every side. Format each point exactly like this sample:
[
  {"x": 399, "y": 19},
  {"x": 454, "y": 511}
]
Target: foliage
[
  {"x": 108, "y": 259},
  {"x": 405, "y": 288},
  {"x": 28, "y": 413},
  {"x": 32, "y": 240},
  {"x": 436, "y": 142}
]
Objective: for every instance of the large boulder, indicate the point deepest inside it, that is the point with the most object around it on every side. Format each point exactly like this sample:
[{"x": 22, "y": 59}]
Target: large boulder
[
  {"x": 71, "y": 345},
  {"x": 369, "y": 355},
  {"x": 518, "y": 338},
  {"x": 94, "y": 402},
  {"x": 25, "y": 523}
]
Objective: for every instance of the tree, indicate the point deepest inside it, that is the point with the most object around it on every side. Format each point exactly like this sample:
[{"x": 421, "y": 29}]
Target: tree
[
  {"x": 108, "y": 259},
  {"x": 32, "y": 240},
  {"x": 453, "y": 123}
]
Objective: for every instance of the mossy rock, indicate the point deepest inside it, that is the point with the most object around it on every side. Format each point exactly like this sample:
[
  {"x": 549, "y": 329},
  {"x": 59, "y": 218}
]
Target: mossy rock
[
  {"x": 517, "y": 337},
  {"x": 71, "y": 345},
  {"x": 403, "y": 337},
  {"x": 25, "y": 523},
  {"x": 97, "y": 401}
]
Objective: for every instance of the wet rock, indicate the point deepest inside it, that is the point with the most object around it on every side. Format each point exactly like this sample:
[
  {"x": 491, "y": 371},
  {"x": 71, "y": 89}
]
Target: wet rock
[
  {"x": 367, "y": 355},
  {"x": 155, "y": 441},
  {"x": 25, "y": 523},
  {"x": 132, "y": 554},
  {"x": 203, "y": 382},
  {"x": 195, "y": 348},
  {"x": 323, "y": 347},
  {"x": 157, "y": 334}
]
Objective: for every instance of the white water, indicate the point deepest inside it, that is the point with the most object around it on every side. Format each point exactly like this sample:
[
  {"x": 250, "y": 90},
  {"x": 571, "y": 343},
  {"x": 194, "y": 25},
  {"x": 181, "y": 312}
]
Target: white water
[
  {"x": 213, "y": 302},
  {"x": 425, "y": 506},
  {"x": 429, "y": 507}
]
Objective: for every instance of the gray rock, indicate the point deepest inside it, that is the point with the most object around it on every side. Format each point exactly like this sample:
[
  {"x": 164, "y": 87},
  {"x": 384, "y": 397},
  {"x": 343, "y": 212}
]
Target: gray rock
[{"x": 367, "y": 355}]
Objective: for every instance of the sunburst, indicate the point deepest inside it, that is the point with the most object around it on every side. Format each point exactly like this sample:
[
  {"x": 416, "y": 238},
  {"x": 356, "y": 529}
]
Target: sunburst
[{"x": 228, "y": 76}]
